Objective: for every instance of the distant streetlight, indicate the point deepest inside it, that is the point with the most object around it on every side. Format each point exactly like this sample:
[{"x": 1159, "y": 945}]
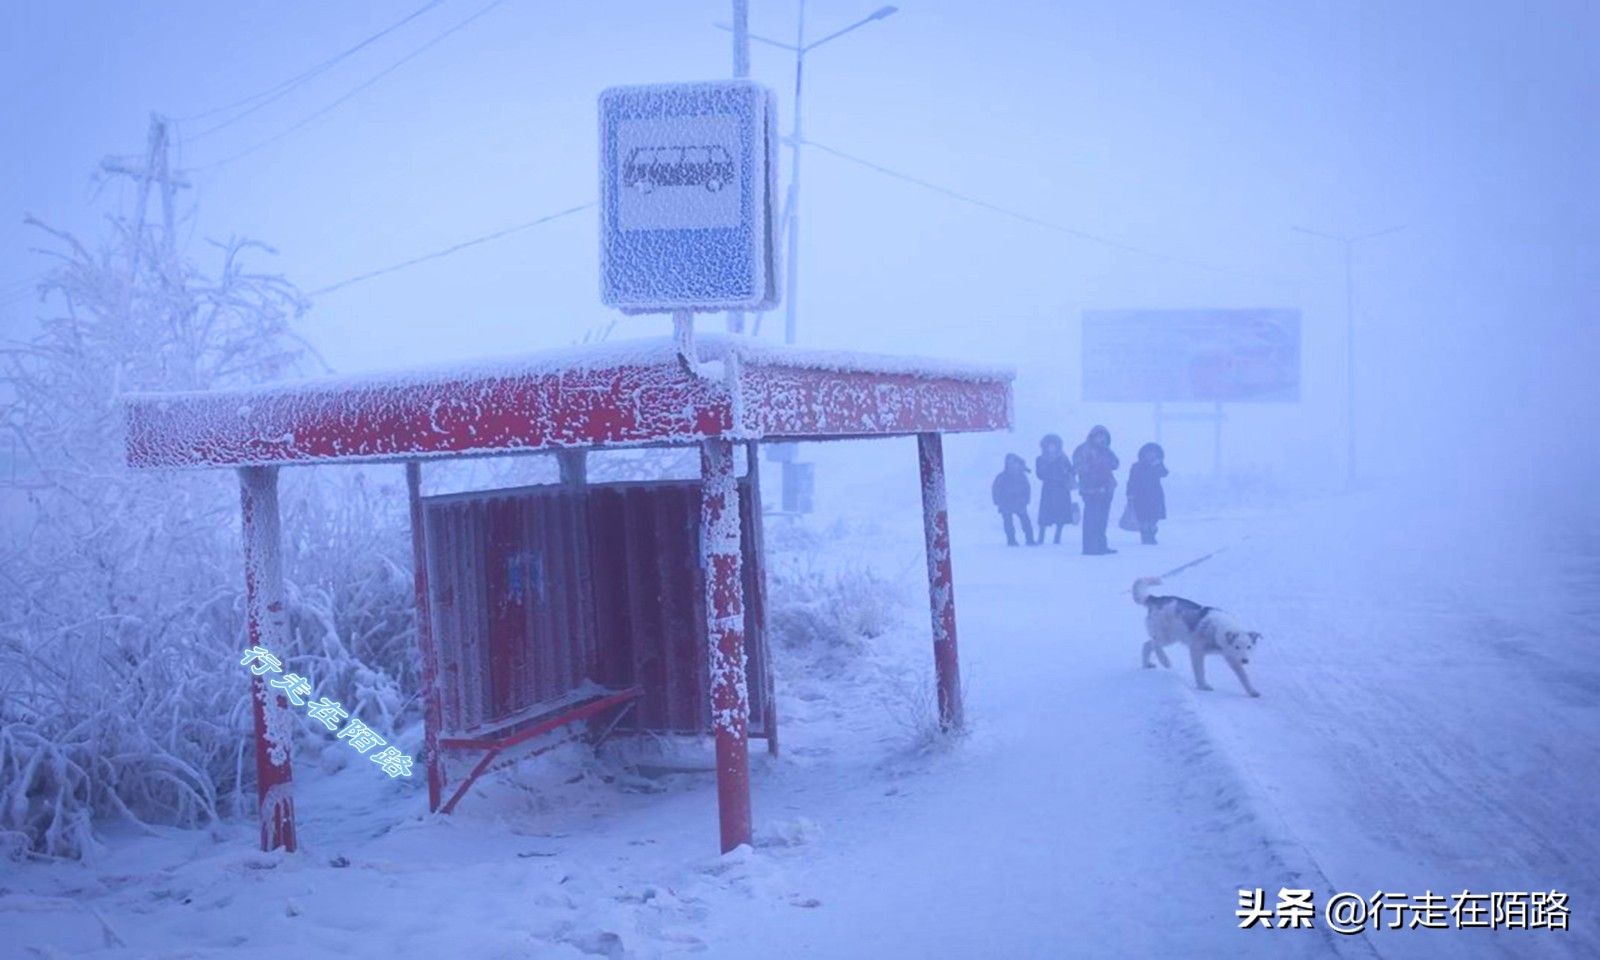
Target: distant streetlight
[
  {"x": 792, "y": 203},
  {"x": 1349, "y": 242}
]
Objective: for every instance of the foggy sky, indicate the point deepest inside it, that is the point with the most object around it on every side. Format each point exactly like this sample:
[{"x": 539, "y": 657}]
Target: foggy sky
[{"x": 1198, "y": 130}]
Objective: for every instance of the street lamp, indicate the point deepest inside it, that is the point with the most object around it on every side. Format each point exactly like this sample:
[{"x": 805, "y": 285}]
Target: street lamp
[
  {"x": 792, "y": 202},
  {"x": 1349, "y": 242}
]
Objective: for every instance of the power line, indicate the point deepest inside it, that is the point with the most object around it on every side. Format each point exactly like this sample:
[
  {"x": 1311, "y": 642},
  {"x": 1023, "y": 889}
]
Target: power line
[
  {"x": 369, "y": 82},
  {"x": 1029, "y": 218},
  {"x": 460, "y": 246},
  {"x": 288, "y": 86}
]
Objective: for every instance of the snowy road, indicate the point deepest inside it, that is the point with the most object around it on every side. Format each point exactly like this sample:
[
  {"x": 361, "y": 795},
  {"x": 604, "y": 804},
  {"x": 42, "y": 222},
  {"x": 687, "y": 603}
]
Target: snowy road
[
  {"x": 1090, "y": 814},
  {"x": 1428, "y": 722},
  {"x": 1434, "y": 712},
  {"x": 1429, "y": 728}
]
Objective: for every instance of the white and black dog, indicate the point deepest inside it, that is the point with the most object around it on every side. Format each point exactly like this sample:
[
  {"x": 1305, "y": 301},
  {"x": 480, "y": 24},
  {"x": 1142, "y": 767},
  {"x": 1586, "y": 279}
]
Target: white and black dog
[{"x": 1204, "y": 630}]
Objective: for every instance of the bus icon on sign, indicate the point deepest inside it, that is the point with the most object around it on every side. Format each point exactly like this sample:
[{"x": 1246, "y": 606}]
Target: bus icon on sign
[{"x": 647, "y": 168}]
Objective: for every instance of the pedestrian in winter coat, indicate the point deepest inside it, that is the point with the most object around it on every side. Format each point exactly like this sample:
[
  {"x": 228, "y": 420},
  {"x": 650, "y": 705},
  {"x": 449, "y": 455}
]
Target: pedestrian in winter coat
[
  {"x": 1096, "y": 466},
  {"x": 1145, "y": 496},
  {"x": 1011, "y": 493},
  {"x": 1056, "y": 480}
]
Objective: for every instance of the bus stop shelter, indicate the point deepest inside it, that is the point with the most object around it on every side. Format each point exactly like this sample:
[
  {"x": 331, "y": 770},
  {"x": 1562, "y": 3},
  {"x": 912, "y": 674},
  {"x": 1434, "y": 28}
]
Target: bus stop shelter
[{"x": 636, "y": 604}]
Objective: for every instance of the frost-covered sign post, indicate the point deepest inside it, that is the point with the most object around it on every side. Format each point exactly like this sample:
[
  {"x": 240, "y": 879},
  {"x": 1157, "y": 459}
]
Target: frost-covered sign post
[{"x": 686, "y": 226}]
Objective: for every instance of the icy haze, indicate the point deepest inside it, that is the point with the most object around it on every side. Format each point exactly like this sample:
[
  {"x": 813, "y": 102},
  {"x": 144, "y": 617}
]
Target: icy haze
[{"x": 975, "y": 178}]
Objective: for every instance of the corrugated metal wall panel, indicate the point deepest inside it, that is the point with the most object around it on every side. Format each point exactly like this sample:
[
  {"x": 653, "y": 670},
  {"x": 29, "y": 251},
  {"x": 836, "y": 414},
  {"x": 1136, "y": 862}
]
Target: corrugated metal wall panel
[
  {"x": 475, "y": 679},
  {"x": 644, "y": 542},
  {"x": 614, "y": 648},
  {"x": 555, "y": 590},
  {"x": 539, "y": 590},
  {"x": 507, "y": 627},
  {"x": 650, "y": 602},
  {"x": 510, "y": 586}
]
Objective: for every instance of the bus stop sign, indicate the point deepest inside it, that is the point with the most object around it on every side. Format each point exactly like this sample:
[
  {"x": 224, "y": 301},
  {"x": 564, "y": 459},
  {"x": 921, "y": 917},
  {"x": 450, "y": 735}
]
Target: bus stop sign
[{"x": 687, "y": 181}]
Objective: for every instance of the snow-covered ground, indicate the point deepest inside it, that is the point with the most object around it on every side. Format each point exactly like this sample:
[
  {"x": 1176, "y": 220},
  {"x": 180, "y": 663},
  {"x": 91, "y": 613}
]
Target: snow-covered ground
[{"x": 1429, "y": 721}]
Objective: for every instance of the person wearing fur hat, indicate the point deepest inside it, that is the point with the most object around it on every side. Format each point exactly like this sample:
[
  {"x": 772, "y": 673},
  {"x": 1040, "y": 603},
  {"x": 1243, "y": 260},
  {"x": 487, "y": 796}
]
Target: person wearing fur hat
[
  {"x": 1145, "y": 496},
  {"x": 1096, "y": 466},
  {"x": 1011, "y": 493},
  {"x": 1054, "y": 470}
]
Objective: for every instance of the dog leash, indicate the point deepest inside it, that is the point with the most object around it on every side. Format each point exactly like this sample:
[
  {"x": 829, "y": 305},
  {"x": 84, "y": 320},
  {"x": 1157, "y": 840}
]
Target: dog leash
[{"x": 1196, "y": 562}]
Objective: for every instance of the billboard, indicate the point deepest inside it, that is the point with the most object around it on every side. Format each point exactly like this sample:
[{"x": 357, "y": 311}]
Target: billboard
[
  {"x": 1176, "y": 356},
  {"x": 687, "y": 181}
]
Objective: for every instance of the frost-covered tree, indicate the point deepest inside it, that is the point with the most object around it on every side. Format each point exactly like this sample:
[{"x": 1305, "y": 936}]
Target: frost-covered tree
[{"x": 120, "y": 591}]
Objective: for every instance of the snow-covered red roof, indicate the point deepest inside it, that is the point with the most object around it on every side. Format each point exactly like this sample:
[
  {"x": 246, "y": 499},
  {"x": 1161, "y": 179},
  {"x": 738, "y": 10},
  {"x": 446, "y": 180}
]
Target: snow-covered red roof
[{"x": 628, "y": 393}]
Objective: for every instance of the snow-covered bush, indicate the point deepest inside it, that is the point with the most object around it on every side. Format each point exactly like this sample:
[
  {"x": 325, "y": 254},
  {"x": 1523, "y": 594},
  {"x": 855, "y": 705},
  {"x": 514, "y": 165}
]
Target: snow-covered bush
[
  {"x": 827, "y": 615},
  {"x": 911, "y": 699},
  {"x": 349, "y": 590},
  {"x": 121, "y": 591},
  {"x": 843, "y": 631}
]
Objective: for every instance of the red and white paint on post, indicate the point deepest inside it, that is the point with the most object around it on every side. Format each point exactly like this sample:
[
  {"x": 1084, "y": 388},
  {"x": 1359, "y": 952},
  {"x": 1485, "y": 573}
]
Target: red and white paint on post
[
  {"x": 431, "y": 712},
  {"x": 730, "y": 706},
  {"x": 268, "y": 625},
  {"x": 941, "y": 581}
]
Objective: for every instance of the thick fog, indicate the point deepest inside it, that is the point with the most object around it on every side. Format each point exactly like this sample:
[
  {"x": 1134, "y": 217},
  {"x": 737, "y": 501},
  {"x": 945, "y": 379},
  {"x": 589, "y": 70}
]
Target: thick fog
[
  {"x": 1146, "y": 154},
  {"x": 1402, "y": 545}
]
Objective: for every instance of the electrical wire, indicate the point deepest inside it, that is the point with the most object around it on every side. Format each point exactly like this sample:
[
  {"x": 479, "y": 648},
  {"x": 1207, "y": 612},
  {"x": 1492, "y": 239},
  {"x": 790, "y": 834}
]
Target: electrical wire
[
  {"x": 453, "y": 249},
  {"x": 1029, "y": 218},
  {"x": 273, "y": 93},
  {"x": 360, "y": 87}
]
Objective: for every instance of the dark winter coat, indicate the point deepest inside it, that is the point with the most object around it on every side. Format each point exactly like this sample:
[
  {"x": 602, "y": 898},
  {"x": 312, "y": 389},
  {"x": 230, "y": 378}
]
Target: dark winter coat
[
  {"x": 1056, "y": 479},
  {"x": 1149, "y": 501},
  {"x": 1011, "y": 490},
  {"x": 1096, "y": 464}
]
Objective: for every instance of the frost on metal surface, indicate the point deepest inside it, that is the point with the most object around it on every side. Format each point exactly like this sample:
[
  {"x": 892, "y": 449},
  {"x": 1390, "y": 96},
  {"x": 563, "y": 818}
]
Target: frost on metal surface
[
  {"x": 730, "y": 705},
  {"x": 941, "y": 580},
  {"x": 720, "y": 545},
  {"x": 266, "y": 621},
  {"x": 687, "y": 181},
  {"x": 802, "y": 402},
  {"x": 627, "y": 393}
]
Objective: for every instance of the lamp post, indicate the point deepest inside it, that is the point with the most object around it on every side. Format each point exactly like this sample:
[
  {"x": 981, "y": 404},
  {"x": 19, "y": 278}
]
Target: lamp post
[
  {"x": 792, "y": 202},
  {"x": 1349, "y": 241}
]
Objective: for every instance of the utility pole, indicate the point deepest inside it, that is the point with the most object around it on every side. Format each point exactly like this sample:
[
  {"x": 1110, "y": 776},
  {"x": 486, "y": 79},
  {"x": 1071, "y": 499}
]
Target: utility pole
[
  {"x": 791, "y": 206},
  {"x": 1350, "y": 242},
  {"x": 741, "y": 70},
  {"x": 156, "y": 169},
  {"x": 797, "y": 477}
]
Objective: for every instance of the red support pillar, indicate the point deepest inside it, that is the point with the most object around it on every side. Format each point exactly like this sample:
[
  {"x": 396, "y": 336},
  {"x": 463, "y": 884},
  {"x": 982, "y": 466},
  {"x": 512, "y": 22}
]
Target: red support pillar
[
  {"x": 730, "y": 706},
  {"x": 941, "y": 582},
  {"x": 268, "y": 626},
  {"x": 430, "y": 665}
]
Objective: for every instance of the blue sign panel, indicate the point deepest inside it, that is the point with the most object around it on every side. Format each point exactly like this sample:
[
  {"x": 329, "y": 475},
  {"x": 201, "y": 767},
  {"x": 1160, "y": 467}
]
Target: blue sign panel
[{"x": 687, "y": 180}]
